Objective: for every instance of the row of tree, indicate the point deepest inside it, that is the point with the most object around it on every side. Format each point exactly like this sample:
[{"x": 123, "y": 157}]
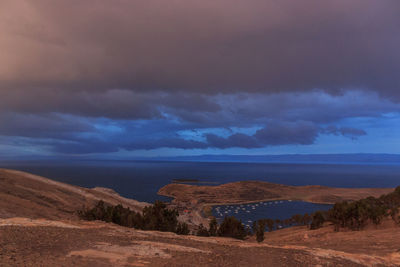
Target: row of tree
[
  {"x": 353, "y": 215},
  {"x": 230, "y": 227},
  {"x": 159, "y": 217},
  {"x": 155, "y": 217},
  {"x": 356, "y": 215}
]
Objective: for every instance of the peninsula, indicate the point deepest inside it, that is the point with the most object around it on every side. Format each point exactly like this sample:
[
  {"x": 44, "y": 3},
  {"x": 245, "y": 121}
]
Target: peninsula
[{"x": 200, "y": 198}]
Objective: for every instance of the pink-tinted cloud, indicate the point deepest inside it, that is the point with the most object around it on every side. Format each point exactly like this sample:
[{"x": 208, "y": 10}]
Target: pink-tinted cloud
[{"x": 202, "y": 46}]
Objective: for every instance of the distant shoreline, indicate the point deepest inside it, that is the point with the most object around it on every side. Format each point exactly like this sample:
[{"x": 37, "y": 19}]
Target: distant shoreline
[{"x": 191, "y": 181}]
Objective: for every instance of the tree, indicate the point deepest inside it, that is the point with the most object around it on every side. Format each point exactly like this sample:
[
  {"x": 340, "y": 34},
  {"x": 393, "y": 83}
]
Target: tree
[
  {"x": 231, "y": 227},
  {"x": 260, "y": 229},
  {"x": 155, "y": 217},
  {"x": 306, "y": 219},
  {"x": 338, "y": 214},
  {"x": 297, "y": 219},
  {"x": 158, "y": 217},
  {"x": 254, "y": 227},
  {"x": 202, "y": 231},
  {"x": 317, "y": 220},
  {"x": 213, "y": 227},
  {"x": 182, "y": 229},
  {"x": 270, "y": 224}
]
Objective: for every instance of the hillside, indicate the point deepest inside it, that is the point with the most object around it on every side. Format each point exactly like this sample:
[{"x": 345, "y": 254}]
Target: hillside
[
  {"x": 27, "y": 195},
  {"x": 38, "y": 227}
]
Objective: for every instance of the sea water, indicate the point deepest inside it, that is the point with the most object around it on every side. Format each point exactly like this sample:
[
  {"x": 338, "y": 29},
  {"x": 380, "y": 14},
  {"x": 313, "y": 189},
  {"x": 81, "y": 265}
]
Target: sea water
[
  {"x": 142, "y": 179},
  {"x": 277, "y": 209}
]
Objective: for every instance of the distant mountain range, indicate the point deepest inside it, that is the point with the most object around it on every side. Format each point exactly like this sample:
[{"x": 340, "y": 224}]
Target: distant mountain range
[
  {"x": 293, "y": 158},
  {"x": 390, "y": 159}
]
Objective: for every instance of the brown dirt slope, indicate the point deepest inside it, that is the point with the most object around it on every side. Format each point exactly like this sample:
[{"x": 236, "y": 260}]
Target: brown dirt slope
[
  {"x": 25, "y": 242},
  {"x": 27, "y": 195},
  {"x": 250, "y": 191}
]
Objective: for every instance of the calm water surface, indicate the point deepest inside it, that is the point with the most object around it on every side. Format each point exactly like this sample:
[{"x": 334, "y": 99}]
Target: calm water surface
[
  {"x": 141, "y": 180},
  {"x": 284, "y": 209}
]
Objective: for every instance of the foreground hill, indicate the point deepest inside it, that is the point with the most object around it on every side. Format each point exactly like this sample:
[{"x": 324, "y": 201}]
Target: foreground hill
[
  {"x": 54, "y": 243},
  {"x": 38, "y": 227}
]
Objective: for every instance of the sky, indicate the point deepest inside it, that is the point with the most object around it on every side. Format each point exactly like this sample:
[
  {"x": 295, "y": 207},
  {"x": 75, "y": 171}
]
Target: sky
[{"x": 127, "y": 78}]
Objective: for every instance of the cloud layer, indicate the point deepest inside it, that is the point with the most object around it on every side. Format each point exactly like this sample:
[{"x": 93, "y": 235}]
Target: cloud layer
[
  {"x": 201, "y": 46},
  {"x": 103, "y": 76},
  {"x": 105, "y": 123}
]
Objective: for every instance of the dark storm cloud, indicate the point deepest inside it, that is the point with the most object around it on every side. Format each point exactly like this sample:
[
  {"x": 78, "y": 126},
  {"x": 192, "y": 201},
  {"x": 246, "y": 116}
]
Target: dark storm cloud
[
  {"x": 47, "y": 126},
  {"x": 100, "y": 76},
  {"x": 192, "y": 122},
  {"x": 200, "y": 46},
  {"x": 345, "y": 131},
  {"x": 275, "y": 134},
  {"x": 278, "y": 133},
  {"x": 290, "y": 119},
  {"x": 88, "y": 147},
  {"x": 235, "y": 140},
  {"x": 173, "y": 142},
  {"x": 115, "y": 103}
]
